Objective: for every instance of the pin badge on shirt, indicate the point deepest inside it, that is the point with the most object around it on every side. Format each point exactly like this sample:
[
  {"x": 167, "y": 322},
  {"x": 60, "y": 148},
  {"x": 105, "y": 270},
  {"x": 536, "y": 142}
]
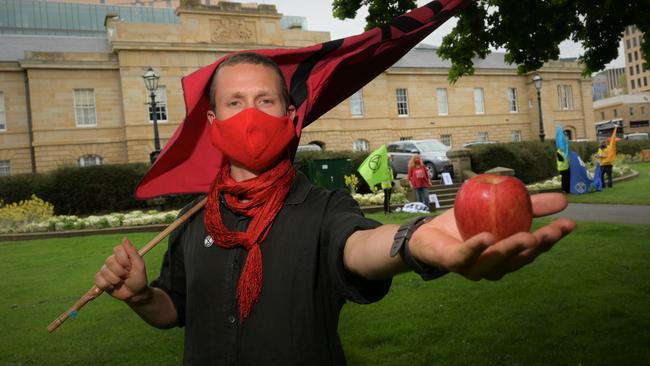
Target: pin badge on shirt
[{"x": 208, "y": 241}]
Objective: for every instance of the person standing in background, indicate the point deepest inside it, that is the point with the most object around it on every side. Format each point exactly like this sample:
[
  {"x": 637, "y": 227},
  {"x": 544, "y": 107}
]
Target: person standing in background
[{"x": 419, "y": 179}]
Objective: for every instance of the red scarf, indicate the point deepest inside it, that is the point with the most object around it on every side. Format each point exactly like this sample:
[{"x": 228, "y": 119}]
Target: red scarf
[{"x": 265, "y": 195}]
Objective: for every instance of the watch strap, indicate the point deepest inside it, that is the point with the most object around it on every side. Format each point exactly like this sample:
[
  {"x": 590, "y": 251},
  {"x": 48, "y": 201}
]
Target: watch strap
[{"x": 400, "y": 246}]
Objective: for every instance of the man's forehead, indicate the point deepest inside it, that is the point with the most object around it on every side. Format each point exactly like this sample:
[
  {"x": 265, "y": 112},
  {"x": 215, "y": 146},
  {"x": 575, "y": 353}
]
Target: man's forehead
[{"x": 245, "y": 77}]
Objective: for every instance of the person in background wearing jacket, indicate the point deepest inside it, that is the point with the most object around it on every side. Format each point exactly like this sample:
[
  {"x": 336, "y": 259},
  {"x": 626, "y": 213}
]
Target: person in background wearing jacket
[
  {"x": 419, "y": 179},
  {"x": 563, "y": 168},
  {"x": 606, "y": 164}
]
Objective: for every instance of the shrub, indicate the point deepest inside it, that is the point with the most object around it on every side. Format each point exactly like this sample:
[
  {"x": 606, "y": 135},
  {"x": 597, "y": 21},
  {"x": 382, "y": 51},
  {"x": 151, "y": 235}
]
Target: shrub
[
  {"x": 531, "y": 160},
  {"x": 15, "y": 216}
]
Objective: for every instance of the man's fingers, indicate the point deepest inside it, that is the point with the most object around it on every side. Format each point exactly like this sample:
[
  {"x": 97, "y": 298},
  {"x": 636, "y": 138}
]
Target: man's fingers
[
  {"x": 493, "y": 262},
  {"x": 545, "y": 204},
  {"x": 464, "y": 255},
  {"x": 121, "y": 257},
  {"x": 136, "y": 260},
  {"x": 102, "y": 283}
]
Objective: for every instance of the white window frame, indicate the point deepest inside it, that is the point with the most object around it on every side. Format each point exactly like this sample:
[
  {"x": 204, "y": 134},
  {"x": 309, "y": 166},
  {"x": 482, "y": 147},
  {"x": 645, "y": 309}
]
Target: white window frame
[
  {"x": 402, "y": 99},
  {"x": 483, "y": 136},
  {"x": 565, "y": 97},
  {"x": 90, "y": 160},
  {"x": 3, "y": 113},
  {"x": 356, "y": 104},
  {"x": 513, "y": 103},
  {"x": 83, "y": 112},
  {"x": 479, "y": 101},
  {"x": 360, "y": 145},
  {"x": 161, "y": 105},
  {"x": 447, "y": 139},
  {"x": 443, "y": 101},
  {"x": 516, "y": 135},
  {"x": 5, "y": 168}
]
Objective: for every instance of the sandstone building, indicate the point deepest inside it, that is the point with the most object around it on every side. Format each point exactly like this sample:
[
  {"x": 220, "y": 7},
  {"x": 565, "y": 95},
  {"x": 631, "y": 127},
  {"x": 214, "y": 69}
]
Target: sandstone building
[{"x": 72, "y": 92}]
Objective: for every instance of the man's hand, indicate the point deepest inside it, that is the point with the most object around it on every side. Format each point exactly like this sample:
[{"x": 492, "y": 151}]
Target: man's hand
[
  {"x": 439, "y": 243},
  {"x": 123, "y": 274}
]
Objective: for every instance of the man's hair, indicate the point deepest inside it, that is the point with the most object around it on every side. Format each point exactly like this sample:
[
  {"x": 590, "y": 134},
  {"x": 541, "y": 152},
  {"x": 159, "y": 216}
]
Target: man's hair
[{"x": 255, "y": 59}]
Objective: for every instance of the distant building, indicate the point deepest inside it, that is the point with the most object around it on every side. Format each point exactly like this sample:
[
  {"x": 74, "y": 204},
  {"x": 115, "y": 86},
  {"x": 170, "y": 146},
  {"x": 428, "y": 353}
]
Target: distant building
[
  {"x": 71, "y": 87},
  {"x": 630, "y": 112},
  {"x": 608, "y": 83},
  {"x": 636, "y": 74}
]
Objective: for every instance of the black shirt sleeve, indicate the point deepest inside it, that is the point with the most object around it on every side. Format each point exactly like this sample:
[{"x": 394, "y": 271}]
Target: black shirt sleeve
[
  {"x": 342, "y": 218},
  {"x": 172, "y": 271}
]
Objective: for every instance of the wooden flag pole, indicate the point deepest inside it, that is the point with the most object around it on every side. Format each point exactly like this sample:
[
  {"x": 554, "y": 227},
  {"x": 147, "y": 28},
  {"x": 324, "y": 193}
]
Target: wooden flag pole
[{"x": 94, "y": 292}]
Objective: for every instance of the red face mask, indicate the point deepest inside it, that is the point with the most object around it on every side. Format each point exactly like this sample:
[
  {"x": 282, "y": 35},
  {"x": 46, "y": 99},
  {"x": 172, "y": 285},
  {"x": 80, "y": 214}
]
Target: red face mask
[{"x": 252, "y": 138}]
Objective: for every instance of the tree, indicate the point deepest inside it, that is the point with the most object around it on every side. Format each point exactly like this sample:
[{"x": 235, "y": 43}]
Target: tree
[{"x": 529, "y": 30}]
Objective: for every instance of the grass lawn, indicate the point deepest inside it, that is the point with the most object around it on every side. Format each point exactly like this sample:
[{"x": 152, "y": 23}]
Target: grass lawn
[
  {"x": 587, "y": 302},
  {"x": 635, "y": 191}
]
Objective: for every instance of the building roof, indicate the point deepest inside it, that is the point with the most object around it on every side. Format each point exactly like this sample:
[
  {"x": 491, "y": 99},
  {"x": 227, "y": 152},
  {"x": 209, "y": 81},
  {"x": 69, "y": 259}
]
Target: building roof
[
  {"x": 13, "y": 47},
  {"x": 425, "y": 56},
  {"x": 622, "y": 99}
]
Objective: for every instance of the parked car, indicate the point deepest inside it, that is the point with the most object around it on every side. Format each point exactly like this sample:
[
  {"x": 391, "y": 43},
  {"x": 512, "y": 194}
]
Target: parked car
[
  {"x": 476, "y": 143},
  {"x": 433, "y": 153},
  {"x": 637, "y": 136}
]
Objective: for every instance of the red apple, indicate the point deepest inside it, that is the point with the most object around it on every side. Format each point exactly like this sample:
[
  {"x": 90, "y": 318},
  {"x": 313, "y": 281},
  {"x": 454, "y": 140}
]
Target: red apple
[{"x": 492, "y": 203}]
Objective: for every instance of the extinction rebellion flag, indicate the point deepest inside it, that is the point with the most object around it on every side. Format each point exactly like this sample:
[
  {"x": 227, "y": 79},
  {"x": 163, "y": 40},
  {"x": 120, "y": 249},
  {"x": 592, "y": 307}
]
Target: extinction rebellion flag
[{"x": 375, "y": 168}]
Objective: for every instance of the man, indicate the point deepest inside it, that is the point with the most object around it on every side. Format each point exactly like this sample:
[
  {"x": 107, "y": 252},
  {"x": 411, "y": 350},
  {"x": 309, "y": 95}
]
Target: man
[
  {"x": 606, "y": 163},
  {"x": 562, "y": 162},
  {"x": 268, "y": 288}
]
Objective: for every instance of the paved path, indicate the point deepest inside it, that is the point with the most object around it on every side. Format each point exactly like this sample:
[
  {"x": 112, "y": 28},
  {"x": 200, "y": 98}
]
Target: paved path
[{"x": 620, "y": 214}]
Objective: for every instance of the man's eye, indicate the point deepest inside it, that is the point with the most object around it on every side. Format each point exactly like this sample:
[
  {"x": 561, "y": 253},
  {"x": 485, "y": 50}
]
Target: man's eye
[
  {"x": 233, "y": 103},
  {"x": 266, "y": 101}
]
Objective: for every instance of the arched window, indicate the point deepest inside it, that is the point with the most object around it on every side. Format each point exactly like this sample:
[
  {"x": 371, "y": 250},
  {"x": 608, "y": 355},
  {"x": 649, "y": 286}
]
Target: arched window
[
  {"x": 90, "y": 160},
  {"x": 360, "y": 145},
  {"x": 319, "y": 143}
]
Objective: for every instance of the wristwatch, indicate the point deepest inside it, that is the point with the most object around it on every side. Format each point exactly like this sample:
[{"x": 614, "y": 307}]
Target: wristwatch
[{"x": 400, "y": 246}]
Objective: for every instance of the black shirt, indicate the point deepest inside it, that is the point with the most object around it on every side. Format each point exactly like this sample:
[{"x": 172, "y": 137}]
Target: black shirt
[{"x": 304, "y": 284}]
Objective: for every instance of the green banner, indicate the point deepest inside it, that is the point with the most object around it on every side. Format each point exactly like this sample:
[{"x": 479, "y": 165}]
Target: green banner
[{"x": 375, "y": 169}]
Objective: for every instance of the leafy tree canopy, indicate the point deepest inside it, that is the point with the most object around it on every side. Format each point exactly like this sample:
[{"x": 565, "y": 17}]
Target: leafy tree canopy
[{"x": 529, "y": 30}]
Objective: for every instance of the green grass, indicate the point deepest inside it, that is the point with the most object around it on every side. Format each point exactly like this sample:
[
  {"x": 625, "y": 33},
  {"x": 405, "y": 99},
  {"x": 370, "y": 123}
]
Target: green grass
[
  {"x": 635, "y": 191},
  {"x": 586, "y": 302}
]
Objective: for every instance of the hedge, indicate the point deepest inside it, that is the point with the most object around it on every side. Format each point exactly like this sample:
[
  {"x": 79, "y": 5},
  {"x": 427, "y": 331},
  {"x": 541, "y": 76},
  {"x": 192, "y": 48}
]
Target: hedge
[
  {"x": 109, "y": 188},
  {"x": 532, "y": 161}
]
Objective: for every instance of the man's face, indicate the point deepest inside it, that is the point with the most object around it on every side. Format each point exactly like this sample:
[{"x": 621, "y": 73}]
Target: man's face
[{"x": 243, "y": 86}]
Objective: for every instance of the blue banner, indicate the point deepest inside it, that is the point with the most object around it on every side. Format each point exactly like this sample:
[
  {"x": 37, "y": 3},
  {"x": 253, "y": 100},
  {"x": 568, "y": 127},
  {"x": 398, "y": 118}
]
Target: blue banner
[{"x": 581, "y": 180}]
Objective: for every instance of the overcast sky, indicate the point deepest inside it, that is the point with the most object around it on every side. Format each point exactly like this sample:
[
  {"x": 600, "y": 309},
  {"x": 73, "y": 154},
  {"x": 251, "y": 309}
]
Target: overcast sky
[{"x": 319, "y": 18}]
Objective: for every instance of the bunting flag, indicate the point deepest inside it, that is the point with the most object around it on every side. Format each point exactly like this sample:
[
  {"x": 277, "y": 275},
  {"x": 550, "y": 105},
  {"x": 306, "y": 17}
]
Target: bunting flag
[
  {"x": 561, "y": 141},
  {"x": 375, "y": 169},
  {"x": 318, "y": 78}
]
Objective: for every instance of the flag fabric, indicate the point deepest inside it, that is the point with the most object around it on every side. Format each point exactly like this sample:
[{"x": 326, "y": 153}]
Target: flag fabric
[
  {"x": 561, "y": 141},
  {"x": 598, "y": 182},
  {"x": 318, "y": 77},
  {"x": 581, "y": 181},
  {"x": 375, "y": 169},
  {"x": 611, "y": 148}
]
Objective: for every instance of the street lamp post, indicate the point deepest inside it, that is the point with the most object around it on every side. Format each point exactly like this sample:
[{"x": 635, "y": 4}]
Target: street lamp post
[
  {"x": 151, "y": 82},
  {"x": 538, "y": 85}
]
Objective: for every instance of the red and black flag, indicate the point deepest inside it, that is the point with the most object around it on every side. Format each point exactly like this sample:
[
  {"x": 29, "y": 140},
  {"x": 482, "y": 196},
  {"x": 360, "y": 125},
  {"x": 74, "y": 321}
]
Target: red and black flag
[{"x": 319, "y": 77}]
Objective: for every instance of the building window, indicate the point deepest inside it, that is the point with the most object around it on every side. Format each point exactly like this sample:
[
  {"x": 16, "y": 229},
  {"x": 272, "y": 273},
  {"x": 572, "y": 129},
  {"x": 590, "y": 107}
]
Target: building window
[
  {"x": 565, "y": 96},
  {"x": 512, "y": 100},
  {"x": 479, "y": 105},
  {"x": 636, "y": 124},
  {"x": 629, "y": 57},
  {"x": 631, "y": 70},
  {"x": 638, "y": 70},
  {"x": 90, "y": 160},
  {"x": 3, "y": 116},
  {"x": 360, "y": 145},
  {"x": 483, "y": 137},
  {"x": 356, "y": 104},
  {"x": 627, "y": 42},
  {"x": 84, "y": 107},
  {"x": 446, "y": 139},
  {"x": 161, "y": 105},
  {"x": 631, "y": 111},
  {"x": 405, "y": 138},
  {"x": 402, "y": 102},
  {"x": 615, "y": 112},
  {"x": 5, "y": 168},
  {"x": 636, "y": 55},
  {"x": 632, "y": 83},
  {"x": 645, "y": 81},
  {"x": 642, "y": 109},
  {"x": 602, "y": 116},
  {"x": 516, "y": 135},
  {"x": 633, "y": 42},
  {"x": 443, "y": 106}
]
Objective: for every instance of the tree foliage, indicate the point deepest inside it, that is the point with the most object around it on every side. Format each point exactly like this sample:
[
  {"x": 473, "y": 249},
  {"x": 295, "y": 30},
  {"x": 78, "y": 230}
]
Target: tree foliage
[{"x": 529, "y": 30}]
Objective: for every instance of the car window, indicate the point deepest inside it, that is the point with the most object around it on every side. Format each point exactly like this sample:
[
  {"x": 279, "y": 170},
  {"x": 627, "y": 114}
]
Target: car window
[
  {"x": 432, "y": 145},
  {"x": 392, "y": 148},
  {"x": 408, "y": 147}
]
